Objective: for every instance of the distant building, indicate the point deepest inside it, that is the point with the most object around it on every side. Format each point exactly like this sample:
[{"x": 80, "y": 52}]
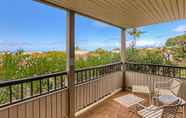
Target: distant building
[
  {"x": 81, "y": 54},
  {"x": 32, "y": 52},
  {"x": 4, "y": 52},
  {"x": 181, "y": 43},
  {"x": 168, "y": 56},
  {"x": 116, "y": 50}
]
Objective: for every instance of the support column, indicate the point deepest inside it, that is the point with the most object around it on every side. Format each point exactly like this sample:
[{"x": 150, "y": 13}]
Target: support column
[
  {"x": 123, "y": 54},
  {"x": 70, "y": 49}
]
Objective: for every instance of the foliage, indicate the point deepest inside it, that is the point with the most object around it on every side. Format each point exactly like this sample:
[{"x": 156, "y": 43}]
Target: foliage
[
  {"x": 133, "y": 55},
  {"x": 144, "y": 56},
  {"x": 176, "y": 41},
  {"x": 23, "y": 64},
  {"x": 20, "y": 65},
  {"x": 97, "y": 57},
  {"x": 177, "y": 46},
  {"x": 136, "y": 34}
]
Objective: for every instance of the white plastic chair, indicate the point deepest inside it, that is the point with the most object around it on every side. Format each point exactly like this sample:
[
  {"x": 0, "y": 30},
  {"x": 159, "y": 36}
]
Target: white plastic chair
[
  {"x": 171, "y": 87},
  {"x": 165, "y": 111}
]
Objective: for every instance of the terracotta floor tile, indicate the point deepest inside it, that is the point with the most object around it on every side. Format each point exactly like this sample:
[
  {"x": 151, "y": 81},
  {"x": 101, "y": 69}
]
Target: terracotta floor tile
[{"x": 111, "y": 109}]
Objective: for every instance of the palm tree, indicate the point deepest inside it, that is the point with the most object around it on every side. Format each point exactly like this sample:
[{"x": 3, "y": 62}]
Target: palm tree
[
  {"x": 136, "y": 34},
  {"x": 77, "y": 48}
]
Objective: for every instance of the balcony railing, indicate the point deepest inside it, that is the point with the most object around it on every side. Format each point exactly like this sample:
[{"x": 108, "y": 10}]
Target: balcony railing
[
  {"x": 93, "y": 84},
  {"x": 15, "y": 91},
  {"x": 160, "y": 70},
  {"x": 46, "y": 96}
]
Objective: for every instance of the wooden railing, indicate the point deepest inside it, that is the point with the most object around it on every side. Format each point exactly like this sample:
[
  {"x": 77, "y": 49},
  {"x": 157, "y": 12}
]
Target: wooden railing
[
  {"x": 15, "y": 91},
  {"x": 46, "y": 96},
  {"x": 160, "y": 70},
  {"x": 93, "y": 84}
]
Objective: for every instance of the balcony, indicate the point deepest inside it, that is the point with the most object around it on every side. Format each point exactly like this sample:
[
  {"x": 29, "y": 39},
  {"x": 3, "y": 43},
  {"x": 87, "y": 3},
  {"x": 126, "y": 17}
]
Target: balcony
[
  {"x": 89, "y": 92},
  {"x": 94, "y": 90}
]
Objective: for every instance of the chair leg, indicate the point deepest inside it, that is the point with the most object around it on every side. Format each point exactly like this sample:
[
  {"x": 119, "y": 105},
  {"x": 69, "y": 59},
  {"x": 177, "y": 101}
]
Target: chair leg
[
  {"x": 184, "y": 111},
  {"x": 150, "y": 99}
]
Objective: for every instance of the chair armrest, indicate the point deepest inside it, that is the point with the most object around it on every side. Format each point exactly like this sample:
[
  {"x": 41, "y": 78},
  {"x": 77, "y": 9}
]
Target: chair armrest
[
  {"x": 179, "y": 103},
  {"x": 143, "y": 106}
]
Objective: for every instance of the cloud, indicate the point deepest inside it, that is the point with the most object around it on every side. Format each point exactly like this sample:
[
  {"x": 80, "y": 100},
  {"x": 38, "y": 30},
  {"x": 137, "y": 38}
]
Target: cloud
[
  {"x": 29, "y": 46},
  {"x": 102, "y": 43},
  {"x": 180, "y": 29},
  {"x": 149, "y": 43},
  {"x": 9, "y": 45},
  {"x": 143, "y": 43}
]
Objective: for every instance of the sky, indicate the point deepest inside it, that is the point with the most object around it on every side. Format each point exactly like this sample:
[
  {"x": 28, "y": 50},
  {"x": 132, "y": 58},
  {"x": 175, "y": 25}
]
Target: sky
[{"x": 32, "y": 26}]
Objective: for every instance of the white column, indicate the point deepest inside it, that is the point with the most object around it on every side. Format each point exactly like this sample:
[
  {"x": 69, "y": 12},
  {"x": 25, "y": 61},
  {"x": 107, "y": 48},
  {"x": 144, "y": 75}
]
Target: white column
[
  {"x": 123, "y": 53},
  {"x": 70, "y": 49}
]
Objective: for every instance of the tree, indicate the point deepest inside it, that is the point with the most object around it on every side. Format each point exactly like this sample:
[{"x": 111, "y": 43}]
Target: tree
[
  {"x": 177, "y": 46},
  {"x": 176, "y": 41},
  {"x": 136, "y": 34}
]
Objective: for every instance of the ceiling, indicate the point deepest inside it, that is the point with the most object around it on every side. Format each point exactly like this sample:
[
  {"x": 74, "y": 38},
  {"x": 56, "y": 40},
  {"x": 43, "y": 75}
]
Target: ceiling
[{"x": 126, "y": 13}]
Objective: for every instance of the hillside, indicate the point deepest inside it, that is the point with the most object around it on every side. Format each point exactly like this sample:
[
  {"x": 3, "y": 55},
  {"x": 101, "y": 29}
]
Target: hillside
[
  {"x": 176, "y": 41},
  {"x": 177, "y": 47}
]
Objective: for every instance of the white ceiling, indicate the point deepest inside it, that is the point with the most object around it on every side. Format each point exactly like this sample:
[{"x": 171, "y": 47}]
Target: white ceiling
[{"x": 126, "y": 13}]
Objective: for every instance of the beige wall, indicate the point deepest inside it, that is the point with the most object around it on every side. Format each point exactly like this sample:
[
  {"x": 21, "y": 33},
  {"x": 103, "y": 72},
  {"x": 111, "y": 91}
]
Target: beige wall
[{"x": 50, "y": 106}]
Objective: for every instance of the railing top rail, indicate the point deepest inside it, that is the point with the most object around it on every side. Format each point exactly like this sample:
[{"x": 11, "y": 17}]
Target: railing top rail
[
  {"x": 40, "y": 77},
  {"x": 155, "y": 65},
  {"x": 160, "y": 70},
  {"x": 20, "y": 81},
  {"x": 100, "y": 66}
]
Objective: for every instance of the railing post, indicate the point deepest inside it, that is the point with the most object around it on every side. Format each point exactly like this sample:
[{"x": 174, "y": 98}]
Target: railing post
[
  {"x": 123, "y": 54},
  {"x": 70, "y": 62}
]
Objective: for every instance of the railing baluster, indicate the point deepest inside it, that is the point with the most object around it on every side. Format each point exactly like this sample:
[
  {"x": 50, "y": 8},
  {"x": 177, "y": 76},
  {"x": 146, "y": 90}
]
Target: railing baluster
[
  {"x": 61, "y": 81},
  {"x": 48, "y": 84},
  {"x": 77, "y": 78},
  {"x": 22, "y": 90},
  {"x": 10, "y": 94},
  {"x": 40, "y": 86},
  {"x": 31, "y": 88},
  {"x": 55, "y": 83}
]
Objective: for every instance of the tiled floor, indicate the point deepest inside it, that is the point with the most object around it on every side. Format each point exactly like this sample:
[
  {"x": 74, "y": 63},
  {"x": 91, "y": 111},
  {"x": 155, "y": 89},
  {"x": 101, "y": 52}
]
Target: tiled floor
[{"x": 112, "y": 109}]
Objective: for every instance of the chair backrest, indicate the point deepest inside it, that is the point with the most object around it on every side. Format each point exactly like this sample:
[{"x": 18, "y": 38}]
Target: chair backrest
[
  {"x": 171, "y": 110},
  {"x": 175, "y": 86}
]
